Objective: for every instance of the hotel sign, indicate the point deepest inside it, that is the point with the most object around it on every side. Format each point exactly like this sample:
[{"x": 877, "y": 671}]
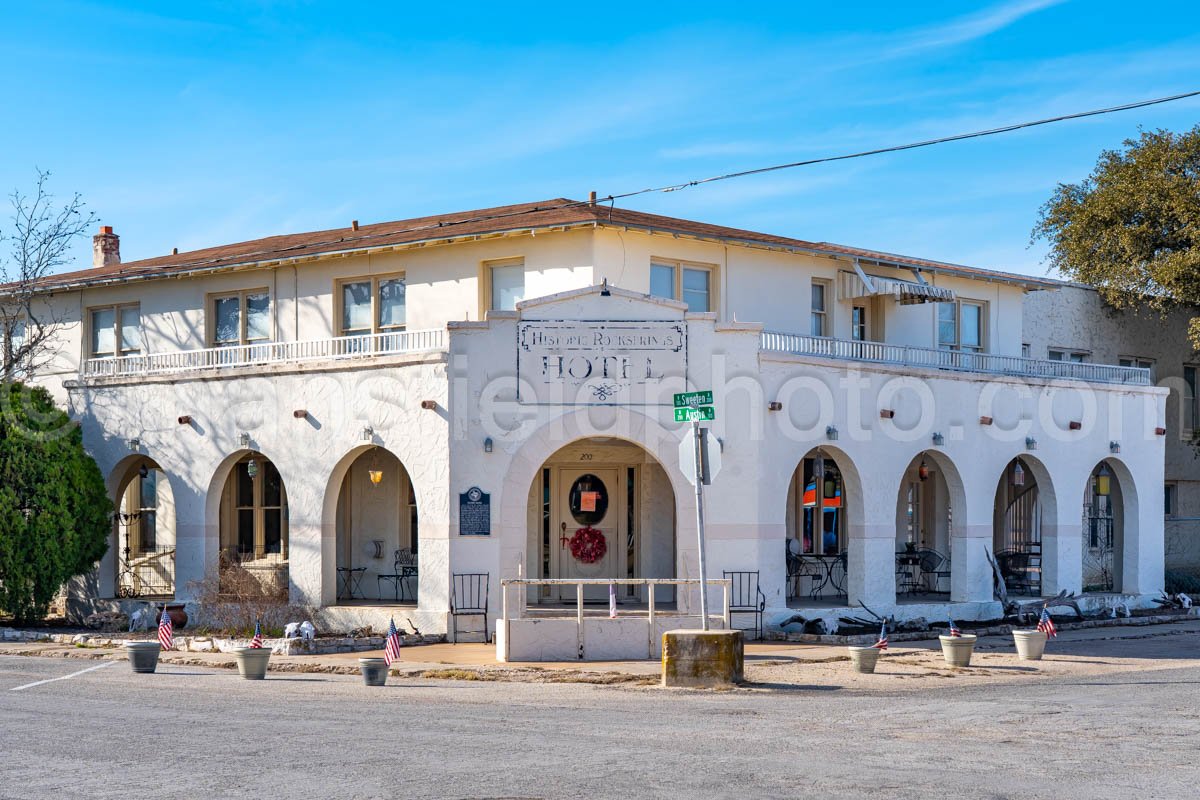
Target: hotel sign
[{"x": 599, "y": 363}]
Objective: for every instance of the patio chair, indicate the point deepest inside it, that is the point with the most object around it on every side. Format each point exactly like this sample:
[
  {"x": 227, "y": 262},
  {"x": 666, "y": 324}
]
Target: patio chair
[
  {"x": 404, "y": 568},
  {"x": 1022, "y": 571},
  {"x": 800, "y": 567},
  {"x": 745, "y": 597},
  {"x": 933, "y": 565},
  {"x": 469, "y": 599}
]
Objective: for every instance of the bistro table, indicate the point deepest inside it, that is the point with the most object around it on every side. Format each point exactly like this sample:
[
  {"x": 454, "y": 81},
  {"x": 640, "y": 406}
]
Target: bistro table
[
  {"x": 351, "y": 582},
  {"x": 908, "y": 572}
]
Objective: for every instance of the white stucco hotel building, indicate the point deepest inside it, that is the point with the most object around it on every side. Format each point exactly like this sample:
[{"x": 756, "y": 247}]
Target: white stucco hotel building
[{"x": 307, "y": 405}]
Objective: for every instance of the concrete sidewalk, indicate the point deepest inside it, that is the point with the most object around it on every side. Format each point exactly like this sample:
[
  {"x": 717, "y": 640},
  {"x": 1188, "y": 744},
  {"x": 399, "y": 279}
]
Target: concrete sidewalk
[{"x": 1085, "y": 651}]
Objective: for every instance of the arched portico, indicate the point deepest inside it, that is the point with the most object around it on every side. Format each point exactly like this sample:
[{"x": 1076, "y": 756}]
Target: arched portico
[
  {"x": 1110, "y": 514},
  {"x": 824, "y": 510},
  {"x": 1025, "y": 524},
  {"x": 247, "y": 508},
  {"x": 930, "y": 499},
  {"x": 140, "y": 560}
]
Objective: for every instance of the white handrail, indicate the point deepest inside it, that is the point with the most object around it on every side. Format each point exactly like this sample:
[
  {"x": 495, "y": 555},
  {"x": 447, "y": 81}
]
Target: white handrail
[
  {"x": 260, "y": 353},
  {"x": 726, "y": 585},
  {"x": 959, "y": 360}
]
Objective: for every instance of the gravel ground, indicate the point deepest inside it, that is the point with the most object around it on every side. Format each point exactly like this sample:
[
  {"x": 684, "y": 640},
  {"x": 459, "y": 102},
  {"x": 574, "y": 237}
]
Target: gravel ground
[{"x": 1101, "y": 718}]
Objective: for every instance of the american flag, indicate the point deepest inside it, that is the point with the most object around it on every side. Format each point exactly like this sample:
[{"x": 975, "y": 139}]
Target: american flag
[
  {"x": 166, "y": 633},
  {"x": 256, "y": 642},
  {"x": 392, "y": 651},
  {"x": 954, "y": 631},
  {"x": 1046, "y": 625},
  {"x": 882, "y": 643}
]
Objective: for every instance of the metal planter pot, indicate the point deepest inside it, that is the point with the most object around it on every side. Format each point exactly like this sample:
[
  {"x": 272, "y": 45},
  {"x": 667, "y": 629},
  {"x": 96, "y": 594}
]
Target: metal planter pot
[
  {"x": 1030, "y": 644},
  {"x": 374, "y": 671},
  {"x": 957, "y": 650},
  {"x": 252, "y": 662},
  {"x": 864, "y": 659},
  {"x": 143, "y": 656}
]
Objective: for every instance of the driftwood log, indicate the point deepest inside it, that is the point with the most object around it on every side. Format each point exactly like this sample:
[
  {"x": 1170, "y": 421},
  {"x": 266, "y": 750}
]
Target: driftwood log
[{"x": 1021, "y": 610}]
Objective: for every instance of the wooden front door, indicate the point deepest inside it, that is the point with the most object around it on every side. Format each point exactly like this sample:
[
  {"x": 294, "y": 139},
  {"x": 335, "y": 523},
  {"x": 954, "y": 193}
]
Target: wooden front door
[{"x": 588, "y": 498}]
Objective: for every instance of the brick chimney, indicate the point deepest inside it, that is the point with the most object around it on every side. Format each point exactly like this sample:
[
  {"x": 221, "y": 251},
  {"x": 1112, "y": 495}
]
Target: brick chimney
[{"x": 106, "y": 248}]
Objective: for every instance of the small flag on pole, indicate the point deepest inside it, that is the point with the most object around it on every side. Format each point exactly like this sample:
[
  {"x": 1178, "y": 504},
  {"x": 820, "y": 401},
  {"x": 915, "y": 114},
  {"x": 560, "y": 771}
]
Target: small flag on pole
[
  {"x": 166, "y": 633},
  {"x": 392, "y": 651},
  {"x": 882, "y": 643},
  {"x": 954, "y": 631},
  {"x": 256, "y": 642},
  {"x": 1046, "y": 625},
  {"x": 612, "y": 601}
]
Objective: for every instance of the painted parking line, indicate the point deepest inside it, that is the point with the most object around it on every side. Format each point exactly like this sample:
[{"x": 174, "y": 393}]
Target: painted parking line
[{"x": 63, "y": 677}]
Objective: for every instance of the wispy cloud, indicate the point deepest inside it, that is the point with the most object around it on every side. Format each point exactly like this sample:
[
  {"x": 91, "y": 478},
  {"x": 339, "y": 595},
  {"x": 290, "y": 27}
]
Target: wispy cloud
[{"x": 969, "y": 28}]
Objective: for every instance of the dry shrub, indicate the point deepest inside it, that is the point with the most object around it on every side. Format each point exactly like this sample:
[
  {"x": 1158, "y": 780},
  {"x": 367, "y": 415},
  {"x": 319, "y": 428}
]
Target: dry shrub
[{"x": 232, "y": 601}]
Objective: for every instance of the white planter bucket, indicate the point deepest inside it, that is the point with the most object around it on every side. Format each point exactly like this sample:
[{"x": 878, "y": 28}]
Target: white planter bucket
[
  {"x": 957, "y": 650},
  {"x": 864, "y": 659},
  {"x": 1030, "y": 644},
  {"x": 252, "y": 662}
]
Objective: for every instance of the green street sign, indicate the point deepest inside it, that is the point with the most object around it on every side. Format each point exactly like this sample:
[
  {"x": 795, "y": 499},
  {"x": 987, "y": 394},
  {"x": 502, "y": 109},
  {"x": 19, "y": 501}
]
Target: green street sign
[
  {"x": 693, "y": 399},
  {"x": 697, "y": 414}
]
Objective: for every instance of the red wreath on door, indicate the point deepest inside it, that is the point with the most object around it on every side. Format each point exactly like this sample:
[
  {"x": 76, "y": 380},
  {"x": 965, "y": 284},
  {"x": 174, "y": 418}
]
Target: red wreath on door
[{"x": 588, "y": 545}]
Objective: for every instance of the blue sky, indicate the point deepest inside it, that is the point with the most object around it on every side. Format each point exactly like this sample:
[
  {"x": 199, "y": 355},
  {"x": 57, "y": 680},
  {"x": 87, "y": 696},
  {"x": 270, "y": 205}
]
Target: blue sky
[{"x": 186, "y": 125}]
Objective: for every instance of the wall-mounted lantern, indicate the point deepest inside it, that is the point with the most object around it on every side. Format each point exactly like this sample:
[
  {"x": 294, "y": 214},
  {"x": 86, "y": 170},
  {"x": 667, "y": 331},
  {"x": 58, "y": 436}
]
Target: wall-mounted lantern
[
  {"x": 831, "y": 433},
  {"x": 1030, "y": 443},
  {"x": 938, "y": 440}
]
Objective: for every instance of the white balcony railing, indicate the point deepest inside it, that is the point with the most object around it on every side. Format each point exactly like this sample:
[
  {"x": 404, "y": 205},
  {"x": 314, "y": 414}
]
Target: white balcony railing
[
  {"x": 928, "y": 357},
  {"x": 263, "y": 353}
]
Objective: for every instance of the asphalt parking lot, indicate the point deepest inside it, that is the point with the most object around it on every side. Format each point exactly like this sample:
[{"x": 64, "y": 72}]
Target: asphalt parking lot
[{"x": 93, "y": 729}]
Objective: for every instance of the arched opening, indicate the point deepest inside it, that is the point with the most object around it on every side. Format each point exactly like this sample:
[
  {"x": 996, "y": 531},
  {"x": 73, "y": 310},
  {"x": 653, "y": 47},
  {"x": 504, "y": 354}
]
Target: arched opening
[
  {"x": 1020, "y": 507},
  {"x": 929, "y": 500},
  {"x": 376, "y": 531},
  {"x": 1103, "y": 530},
  {"x": 601, "y": 507},
  {"x": 253, "y": 525},
  {"x": 143, "y": 537},
  {"x": 817, "y": 530}
]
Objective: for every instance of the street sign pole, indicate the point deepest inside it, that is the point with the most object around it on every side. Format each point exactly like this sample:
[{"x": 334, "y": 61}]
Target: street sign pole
[{"x": 700, "y": 525}]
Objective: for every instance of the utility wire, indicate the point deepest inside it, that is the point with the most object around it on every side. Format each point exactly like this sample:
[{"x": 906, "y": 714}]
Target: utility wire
[{"x": 449, "y": 224}]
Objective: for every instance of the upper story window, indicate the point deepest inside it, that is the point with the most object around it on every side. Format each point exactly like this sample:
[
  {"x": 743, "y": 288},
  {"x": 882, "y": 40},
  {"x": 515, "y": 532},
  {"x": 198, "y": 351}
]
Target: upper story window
[
  {"x": 1188, "y": 410},
  {"x": 241, "y": 318},
  {"x": 373, "y": 305},
  {"x": 858, "y": 323},
  {"x": 1134, "y": 361},
  {"x": 819, "y": 325},
  {"x": 1074, "y": 356},
  {"x": 506, "y": 284},
  {"x": 960, "y": 326},
  {"x": 116, "y": 331},
  {"x": 676, "y": 280}
]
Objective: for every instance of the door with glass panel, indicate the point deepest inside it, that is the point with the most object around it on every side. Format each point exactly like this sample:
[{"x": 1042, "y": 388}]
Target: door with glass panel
[{"x": 587, "y": 516}]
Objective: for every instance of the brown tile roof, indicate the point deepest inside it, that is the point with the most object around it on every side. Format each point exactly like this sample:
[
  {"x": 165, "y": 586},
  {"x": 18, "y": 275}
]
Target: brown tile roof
[{"x": 544, "y": 214}]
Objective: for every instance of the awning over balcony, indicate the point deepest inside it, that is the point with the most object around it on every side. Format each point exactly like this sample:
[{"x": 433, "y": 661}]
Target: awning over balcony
[{"x": 860, "y": 284}]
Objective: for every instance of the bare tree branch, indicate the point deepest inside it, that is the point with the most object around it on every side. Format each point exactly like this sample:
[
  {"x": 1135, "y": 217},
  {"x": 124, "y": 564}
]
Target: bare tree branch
[{"x": 39, "y": 244}]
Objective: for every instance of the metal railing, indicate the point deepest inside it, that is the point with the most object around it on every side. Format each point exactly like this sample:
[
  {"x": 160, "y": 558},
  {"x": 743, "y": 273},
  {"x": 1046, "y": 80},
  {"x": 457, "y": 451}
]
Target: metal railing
[
  {"x": 958, "y": 360},
  {"x": 725, "y": 584},
  {"x": 263, "y": 353}
]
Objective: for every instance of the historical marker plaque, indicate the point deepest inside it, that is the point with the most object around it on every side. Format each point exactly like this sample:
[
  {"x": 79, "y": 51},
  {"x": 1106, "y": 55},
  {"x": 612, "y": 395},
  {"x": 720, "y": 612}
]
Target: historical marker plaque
[{"x": 474, "y": 512}]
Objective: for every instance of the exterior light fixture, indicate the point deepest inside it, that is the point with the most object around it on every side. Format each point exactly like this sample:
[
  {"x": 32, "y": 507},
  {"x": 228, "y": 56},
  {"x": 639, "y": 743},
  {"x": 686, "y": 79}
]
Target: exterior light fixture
[
  {"x": 185, "y": 419},
  {"x": 938, "y": 440},
  {"x": 1103, "y": 481},
  {"x": 487, "y": 445},
  {"x": 367, "y": 433},
  {"x": 774, "y": 405},
  {"x": 923, "y": 471},
  {"x": 244, "y": 439},
  {"x": 373, "y": 471},
  {"x": 886, "y": 413},
  {"x": 831, "y": 433},
  {"x": 252, "y": 468},
  {"x": 604, "y": 292},
  {"x": 1114, "y": 447},
  {"x": 135, "y": 443},
  {"x": 378, "y": 544},
  {"x": 1030, "y": 443},
  {"x": 143, "y": 471},
  {"x": 1018, "y": 474},
  {"x": 376, "y": 476}
]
